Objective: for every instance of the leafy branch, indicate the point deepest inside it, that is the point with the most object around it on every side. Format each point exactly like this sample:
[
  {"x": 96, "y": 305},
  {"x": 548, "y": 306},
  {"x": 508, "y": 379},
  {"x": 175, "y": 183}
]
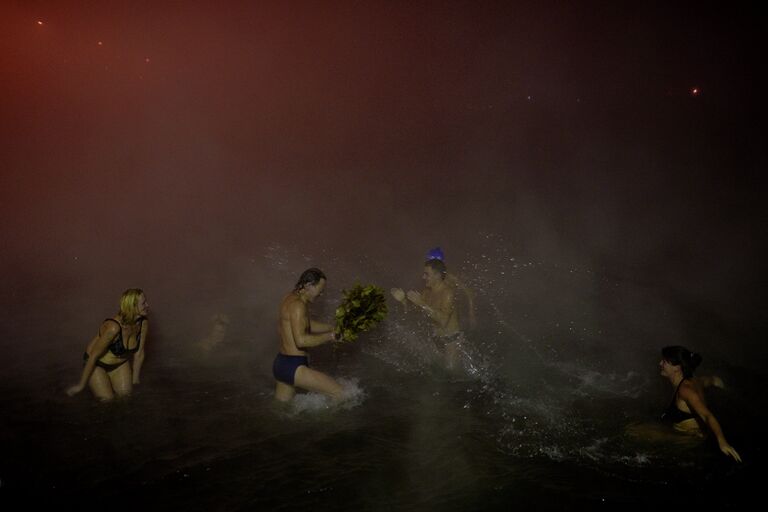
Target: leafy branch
[{"x": 362, "y": 308}]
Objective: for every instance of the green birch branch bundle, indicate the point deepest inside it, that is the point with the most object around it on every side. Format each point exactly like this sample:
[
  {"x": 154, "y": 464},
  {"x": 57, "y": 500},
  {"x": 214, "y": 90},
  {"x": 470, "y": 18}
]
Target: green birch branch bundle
[{"x": 362, "y": 308}]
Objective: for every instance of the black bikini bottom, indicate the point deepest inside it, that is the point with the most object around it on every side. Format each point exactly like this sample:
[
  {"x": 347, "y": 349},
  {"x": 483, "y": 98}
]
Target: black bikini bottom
[{"x": 107, "y": 367}]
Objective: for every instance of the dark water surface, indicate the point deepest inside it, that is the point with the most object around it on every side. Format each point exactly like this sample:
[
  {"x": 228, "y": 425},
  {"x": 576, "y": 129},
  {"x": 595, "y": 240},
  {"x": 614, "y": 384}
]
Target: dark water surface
[
  {"x": 193, "y": 438},
  {"x": 552, "y": 378}
]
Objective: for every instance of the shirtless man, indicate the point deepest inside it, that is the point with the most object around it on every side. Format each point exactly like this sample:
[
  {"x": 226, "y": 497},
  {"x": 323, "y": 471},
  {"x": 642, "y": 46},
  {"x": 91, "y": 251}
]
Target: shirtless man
[
  {"x": 297, "y": 333},
  {"x": 437, "y": 301},
  {"x": 457, "y": 285}
]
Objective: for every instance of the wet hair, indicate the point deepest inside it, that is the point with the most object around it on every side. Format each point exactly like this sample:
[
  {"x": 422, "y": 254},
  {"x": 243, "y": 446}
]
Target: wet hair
[
  {"x": 680, "y": 356},
  {"x": 309, "y": 276},
  {"x": 129, "y": 305},
  {"x": 437, "y": 266}
]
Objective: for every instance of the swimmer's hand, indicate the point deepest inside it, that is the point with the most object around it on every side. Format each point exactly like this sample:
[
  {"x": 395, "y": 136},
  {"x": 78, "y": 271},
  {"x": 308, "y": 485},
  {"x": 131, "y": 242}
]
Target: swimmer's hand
[
  {"x": 415, "y": 297},
  {"x": 729, "y": 451},
  {"x": 74, "y": 390},
  {"x": 398, "y": 294}
]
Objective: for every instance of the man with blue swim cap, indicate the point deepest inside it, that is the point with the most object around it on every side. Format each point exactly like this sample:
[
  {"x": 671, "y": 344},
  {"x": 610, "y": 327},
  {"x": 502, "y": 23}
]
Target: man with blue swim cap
[
  {"x": 436, "y": 253},
  {"x": 437, "y": 300}
]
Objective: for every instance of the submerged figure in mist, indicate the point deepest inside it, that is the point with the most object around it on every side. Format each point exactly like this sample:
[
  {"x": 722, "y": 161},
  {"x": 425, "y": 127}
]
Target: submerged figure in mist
[
  {"x": 437, "y": 301},
  {"x": 687, "y": 412},
  {"x": 298, "y": 332},
  {"x": 216, "y": 337},
  {"x": 121, "y": 340}
]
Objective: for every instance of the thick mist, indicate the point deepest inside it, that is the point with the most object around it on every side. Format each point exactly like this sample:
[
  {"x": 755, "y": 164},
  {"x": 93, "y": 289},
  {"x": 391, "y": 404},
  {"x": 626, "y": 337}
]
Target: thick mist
[{"x": 209, "y": 154}]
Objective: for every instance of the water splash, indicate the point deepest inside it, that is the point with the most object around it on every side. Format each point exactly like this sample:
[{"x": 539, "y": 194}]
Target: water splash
[{"x": 353, "y": 395}]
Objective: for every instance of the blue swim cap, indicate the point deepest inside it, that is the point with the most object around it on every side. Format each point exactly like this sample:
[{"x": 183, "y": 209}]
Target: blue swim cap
[{"x": 435, "y": 254}]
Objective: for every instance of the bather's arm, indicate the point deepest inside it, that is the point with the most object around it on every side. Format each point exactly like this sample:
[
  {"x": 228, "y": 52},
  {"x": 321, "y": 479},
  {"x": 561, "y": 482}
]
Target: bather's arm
[
  {"x": 302, "y": 336},
  {"x": 138, "y": 357},
  {"x": 695, "y": 403},
  {"x": 96, "y": 349},
  {"x": 318, "y": 327}
]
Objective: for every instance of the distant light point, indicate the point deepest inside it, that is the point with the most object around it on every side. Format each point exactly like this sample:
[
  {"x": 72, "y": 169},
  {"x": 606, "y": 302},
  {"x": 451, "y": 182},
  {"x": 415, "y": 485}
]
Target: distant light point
[
  {"x": 146, "y": 60},
  {"x": 695, "y": 91},
  {"x": 39, "y": 22},
  {"x": 100, "y": 43}
]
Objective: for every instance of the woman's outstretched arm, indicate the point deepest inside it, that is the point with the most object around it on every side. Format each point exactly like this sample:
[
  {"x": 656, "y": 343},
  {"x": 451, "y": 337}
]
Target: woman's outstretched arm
[{"x": 695, "y": 403}]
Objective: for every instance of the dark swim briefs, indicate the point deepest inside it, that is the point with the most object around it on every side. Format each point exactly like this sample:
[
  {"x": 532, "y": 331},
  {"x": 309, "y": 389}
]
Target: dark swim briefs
[{"x": 284, "y": 367}]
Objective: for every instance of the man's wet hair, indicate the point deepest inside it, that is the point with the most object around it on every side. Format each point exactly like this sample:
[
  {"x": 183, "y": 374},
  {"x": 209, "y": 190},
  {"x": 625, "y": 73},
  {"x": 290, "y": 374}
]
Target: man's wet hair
[
  {"x": 677, "y": 355},
  {"x": 437, "y": 266},
  {"x": 310, "y": 276}
]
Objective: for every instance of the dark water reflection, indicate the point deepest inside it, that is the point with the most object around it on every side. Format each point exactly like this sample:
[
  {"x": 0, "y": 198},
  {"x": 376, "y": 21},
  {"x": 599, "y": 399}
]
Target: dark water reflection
[{"x": 193, "y": 438}]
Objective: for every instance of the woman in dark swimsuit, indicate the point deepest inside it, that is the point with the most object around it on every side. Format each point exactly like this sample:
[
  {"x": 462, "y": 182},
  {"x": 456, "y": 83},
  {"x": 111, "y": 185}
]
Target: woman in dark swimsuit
[
  {"x": 688, "y": 412},
  {"x": 107, "y": 367}
]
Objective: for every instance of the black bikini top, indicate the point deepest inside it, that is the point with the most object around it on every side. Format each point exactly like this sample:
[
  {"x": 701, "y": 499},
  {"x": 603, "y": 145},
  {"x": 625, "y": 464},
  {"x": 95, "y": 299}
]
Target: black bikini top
[
  {"x": 117, "y": 347},
  {"x": 672, "y": 414}
]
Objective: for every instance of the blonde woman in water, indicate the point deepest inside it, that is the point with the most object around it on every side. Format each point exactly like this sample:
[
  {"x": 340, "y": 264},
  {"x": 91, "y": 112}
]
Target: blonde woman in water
[{"x": 112, "y": 360}]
